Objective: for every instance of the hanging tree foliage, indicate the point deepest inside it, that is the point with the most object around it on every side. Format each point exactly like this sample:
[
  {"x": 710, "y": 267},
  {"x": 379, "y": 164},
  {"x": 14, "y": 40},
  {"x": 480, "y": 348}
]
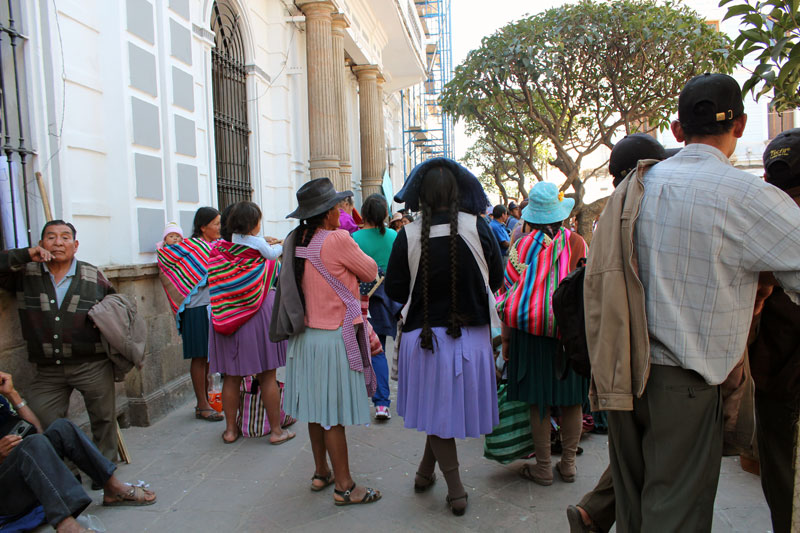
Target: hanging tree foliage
[{"x": 572, "y": 78}]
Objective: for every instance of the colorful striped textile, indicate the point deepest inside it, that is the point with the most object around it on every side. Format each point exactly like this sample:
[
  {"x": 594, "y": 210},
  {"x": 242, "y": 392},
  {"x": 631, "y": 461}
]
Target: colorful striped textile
[
  {"x": 183, "y": 267},
  {"x": 536, "y": 265},
  {"x": 238, "y": 279}
]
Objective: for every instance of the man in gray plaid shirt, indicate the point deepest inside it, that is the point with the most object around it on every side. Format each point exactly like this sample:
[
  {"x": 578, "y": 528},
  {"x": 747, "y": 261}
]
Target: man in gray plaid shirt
[{"x": 705, "y": 231}]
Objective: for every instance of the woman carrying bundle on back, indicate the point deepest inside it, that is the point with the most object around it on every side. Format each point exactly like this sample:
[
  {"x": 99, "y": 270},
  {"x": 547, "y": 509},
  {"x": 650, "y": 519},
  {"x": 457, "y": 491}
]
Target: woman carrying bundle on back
[
  {"x": 242, "y": 276},
  {"x": 445, "y": 267},
  {"x": 543, "y": 256}
]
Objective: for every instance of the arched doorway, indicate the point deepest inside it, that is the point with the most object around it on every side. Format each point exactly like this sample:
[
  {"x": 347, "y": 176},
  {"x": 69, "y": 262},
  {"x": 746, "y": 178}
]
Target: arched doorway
[{"x": 231, "y": 131}]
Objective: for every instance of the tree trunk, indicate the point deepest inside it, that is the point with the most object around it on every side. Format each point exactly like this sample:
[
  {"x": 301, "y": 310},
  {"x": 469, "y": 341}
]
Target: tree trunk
[{"x": 587, "y": 215}]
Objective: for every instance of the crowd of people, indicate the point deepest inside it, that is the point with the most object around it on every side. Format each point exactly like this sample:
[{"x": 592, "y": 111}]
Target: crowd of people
[{"x": 691, "y": 262}]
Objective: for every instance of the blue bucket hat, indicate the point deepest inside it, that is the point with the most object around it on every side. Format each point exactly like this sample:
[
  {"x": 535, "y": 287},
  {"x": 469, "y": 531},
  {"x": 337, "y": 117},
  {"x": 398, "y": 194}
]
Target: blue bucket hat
[
  {"x": 546, "y": 205},
  {"x": 471, "y": 197}
]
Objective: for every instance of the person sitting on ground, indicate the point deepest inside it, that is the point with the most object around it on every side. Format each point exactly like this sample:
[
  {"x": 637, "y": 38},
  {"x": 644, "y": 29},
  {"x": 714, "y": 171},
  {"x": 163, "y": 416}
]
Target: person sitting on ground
[
  {"x": 498, "y": 225},
  {"x": 33, "y": 473},
  {"x": 55, "y": 292}
]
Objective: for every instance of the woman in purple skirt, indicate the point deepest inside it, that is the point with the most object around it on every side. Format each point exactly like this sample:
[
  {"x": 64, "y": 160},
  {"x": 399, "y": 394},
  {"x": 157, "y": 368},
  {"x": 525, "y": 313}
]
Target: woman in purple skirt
[
  {"x": 444, "y": 267},
  {"x": 242, "y": 275}
]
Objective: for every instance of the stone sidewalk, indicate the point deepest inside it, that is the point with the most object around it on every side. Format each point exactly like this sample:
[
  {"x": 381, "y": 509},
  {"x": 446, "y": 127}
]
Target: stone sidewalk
[{"x": 204, "y": 485}]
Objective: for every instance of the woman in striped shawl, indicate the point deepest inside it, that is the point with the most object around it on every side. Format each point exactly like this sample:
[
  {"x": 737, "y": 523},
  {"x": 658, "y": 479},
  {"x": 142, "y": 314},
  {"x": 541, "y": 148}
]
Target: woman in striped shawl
[{"x": 537, "y": 262}]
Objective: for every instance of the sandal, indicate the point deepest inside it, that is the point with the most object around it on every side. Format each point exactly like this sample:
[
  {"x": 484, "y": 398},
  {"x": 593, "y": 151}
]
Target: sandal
[
  {"x": 135, "y": 497},
  {"x": 287, "y": 436},
  {"x": 527, "y": 472},
  {"x": 370, "y": 496},
  {"x": 418, "y": 487},
  {"x": 213, "y": 417},
  {"x": 458, "y": 511},
  {"x": 287, "y": 421},
  {"x": 326, "y": 480}
]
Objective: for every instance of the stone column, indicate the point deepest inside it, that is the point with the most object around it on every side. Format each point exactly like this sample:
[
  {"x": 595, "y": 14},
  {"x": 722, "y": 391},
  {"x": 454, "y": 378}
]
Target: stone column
[
  {"x": 382, "y": 135},
  {"x": 322, "y": 109},
  {"x": 371, "y": 125},
  {"x": 339, "y": 24}
]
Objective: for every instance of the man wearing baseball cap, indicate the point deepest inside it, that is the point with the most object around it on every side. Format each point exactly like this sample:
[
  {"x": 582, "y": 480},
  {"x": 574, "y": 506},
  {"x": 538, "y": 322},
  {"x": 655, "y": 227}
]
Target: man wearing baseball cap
[
  {"x": 703, "y": 233},
  {"x": 773, "y": 355}
]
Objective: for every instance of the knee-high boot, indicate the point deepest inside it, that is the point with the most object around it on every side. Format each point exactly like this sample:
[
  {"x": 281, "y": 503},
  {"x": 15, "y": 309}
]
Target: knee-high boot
[
  {"x": 571, "y": 429},
  {"x": 541, "y": 472}
]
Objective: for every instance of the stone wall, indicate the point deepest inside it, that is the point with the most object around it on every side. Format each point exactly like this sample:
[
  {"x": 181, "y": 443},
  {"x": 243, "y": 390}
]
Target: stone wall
[{"x": 146, "y": 395}]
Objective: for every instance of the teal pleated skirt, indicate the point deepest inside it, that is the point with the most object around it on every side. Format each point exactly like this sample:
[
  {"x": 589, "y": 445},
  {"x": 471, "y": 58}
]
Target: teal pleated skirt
[
  {"x": 320, "y": 386},
  {"x": 533, "y": 376}
]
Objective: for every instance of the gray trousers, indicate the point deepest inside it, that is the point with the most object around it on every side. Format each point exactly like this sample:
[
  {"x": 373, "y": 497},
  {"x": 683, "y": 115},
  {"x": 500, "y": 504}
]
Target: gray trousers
[
  {"x": 49, "y": 394},
  {"x": 666, "y": 454},
  {"x": 600, "y": 503}
]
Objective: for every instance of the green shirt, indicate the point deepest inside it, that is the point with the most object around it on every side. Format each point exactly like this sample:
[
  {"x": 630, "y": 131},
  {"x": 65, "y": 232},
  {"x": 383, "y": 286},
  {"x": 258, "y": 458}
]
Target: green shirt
[{"x": 375, "y": 245}]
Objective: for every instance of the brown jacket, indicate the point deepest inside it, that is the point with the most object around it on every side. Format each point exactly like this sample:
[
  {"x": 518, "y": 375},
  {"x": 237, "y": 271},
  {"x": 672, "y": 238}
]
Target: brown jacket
[{"x": 613, "y": 299}]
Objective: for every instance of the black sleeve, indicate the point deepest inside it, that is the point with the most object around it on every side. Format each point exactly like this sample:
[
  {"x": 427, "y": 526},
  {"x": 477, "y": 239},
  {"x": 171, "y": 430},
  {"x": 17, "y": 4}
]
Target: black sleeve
[
  {"x": 398, "y": 276},
  {"x": 491, "y": 251}
]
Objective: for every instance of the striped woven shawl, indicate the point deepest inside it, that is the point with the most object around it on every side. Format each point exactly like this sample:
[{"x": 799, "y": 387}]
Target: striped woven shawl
[
  {"x": 535, "y": 267},
  {"x": 183, "y": 268},
  {"x": 239, "y": 278}
]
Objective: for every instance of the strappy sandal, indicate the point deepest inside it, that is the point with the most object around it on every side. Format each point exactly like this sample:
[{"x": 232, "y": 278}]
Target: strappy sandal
[
  {"x": 213, "y": 417},
  {"x": 287, "y": 436},
  {"x": 326, "y": 480},
  {"x": 370, "y": 496},
  {"x": 430, "y": 481},
  {"x": 135, "y": 497},
  {"x": 458, "y": 511}
]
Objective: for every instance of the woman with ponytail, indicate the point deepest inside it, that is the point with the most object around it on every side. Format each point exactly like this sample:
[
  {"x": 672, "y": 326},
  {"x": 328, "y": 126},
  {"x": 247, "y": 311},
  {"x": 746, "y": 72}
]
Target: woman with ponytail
[
  {"x": 329, "y": 375},
  {"x": 444, "y": 268}
]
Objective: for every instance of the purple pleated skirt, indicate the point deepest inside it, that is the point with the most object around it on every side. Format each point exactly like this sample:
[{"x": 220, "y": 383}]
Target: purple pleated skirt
[
  {"x": 452, "y": 391},
  {"x": 248, "y": 351}
]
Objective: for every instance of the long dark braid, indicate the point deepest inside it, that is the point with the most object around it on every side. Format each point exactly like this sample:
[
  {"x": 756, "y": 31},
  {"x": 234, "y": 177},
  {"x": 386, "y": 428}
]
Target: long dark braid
[
  {"x": 454, "y": 330},
  {"x": 426, "y": 337},
  {"x": 303, "y": 235}
]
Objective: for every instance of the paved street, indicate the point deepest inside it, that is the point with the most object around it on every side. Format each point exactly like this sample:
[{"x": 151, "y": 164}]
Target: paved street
[{"x": 250, "y": 486}]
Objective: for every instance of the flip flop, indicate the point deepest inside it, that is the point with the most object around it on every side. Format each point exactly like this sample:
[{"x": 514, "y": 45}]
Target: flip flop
[
  {"x": 214, "y": 417},
  {"x": 287, "y": 421},
  {"x": 134, "y": 498},
  {"x": 327, "y": 480},
  {"x": 288, "y": 436}
]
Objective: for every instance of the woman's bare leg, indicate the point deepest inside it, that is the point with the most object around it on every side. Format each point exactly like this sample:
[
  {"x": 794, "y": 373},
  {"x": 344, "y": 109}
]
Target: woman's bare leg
[
  {"x": 230, "y": 406},
  {"x": 271, "y": 398},
  {"x": 198, "y": 370}
]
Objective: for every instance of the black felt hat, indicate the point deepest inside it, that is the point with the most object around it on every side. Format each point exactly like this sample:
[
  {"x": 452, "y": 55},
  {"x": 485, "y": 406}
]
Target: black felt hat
[
  {"x": 629, "y": 150},
  {"x": 710, "y": 98},
  {"x": 471, "y": 196},
  {"x": 315, "y": 197},
  {"x": 782, "y": 160}
]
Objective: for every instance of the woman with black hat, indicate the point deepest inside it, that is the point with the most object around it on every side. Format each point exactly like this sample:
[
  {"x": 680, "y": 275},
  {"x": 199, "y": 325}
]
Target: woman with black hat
[
  {"x": 445, "y": 267},
  {"x": 329, "y": 376}
]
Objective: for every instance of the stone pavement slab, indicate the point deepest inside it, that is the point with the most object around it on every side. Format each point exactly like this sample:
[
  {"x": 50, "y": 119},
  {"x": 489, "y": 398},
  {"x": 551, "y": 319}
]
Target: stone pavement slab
[{"x": 250, "y": 486}]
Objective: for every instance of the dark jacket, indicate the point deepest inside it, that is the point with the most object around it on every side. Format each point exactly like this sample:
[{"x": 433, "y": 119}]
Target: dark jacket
[
  {"x": 55, "y": 335},
  {"x": 288, "y": 313}
]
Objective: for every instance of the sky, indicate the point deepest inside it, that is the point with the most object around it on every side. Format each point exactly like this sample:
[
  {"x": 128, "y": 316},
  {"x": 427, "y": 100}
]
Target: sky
[{"x": 471, "y": 21}]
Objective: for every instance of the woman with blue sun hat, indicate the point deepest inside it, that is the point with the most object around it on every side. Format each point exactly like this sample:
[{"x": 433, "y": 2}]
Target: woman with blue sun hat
[{"x": 537, "y": 262}]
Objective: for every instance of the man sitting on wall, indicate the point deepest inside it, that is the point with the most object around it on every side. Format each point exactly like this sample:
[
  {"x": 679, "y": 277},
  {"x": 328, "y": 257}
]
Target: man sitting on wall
[
  {"x": 32, "y": 471},
  {"x": 54, "y": 293}
]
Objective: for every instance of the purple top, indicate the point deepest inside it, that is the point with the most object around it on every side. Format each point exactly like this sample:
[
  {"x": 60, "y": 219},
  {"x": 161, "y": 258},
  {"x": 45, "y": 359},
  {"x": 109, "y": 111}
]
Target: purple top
[{"x": 346, "y": 222}]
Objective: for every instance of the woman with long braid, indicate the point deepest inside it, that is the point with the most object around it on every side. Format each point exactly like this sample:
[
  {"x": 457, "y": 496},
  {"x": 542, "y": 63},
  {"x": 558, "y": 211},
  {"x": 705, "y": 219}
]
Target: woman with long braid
[
  {"x": 444, "y": 267},
  {"x": 329, "y": 375}
]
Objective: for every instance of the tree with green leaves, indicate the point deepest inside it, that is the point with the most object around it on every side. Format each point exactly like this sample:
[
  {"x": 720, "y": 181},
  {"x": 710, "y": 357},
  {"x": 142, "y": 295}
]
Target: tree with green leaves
[
  {"x": 572, "y": 78},
  {"x": 770, "y": 32}
]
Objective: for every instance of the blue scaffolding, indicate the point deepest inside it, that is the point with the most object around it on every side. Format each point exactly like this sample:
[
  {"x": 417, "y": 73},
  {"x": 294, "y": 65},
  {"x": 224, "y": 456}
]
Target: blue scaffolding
[{"x": 427, "y": 131}]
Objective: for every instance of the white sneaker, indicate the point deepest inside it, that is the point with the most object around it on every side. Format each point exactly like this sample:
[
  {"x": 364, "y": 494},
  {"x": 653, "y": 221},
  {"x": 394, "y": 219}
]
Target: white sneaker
[{"x": 382, "y": 413}]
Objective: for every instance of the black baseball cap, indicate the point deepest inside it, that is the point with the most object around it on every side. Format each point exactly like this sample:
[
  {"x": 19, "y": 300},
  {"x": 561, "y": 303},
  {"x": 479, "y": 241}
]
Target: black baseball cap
[
  {"x": 782, "y": 160},
  {"x": 708, "y": 99},
  {"x": 629, "y": 150}
]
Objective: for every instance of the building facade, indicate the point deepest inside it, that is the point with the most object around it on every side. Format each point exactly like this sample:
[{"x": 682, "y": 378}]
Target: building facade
[{"x": 138, "y": 112}]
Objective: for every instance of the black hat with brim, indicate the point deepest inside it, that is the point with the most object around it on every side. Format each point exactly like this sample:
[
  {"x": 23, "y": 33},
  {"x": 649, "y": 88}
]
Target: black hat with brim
[
  {"x": 471, "y": 196},
  {"x": 782, "y": 160},
  {"x": 316, "y": 197}
]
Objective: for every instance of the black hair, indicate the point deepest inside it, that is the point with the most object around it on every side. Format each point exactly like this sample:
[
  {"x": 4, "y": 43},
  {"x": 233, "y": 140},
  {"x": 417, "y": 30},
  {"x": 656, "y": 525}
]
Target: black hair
[
  {"x": 224, "y": 232},
  {"x": 243, "y": 218},
  {"x": 548, "y": 229},
  {"x": 439, "y": 192},
  {"x": 499, "y": 211},
  {"x": 706, "y": 130},
  {"x": 374, "y": 211},
  {"x": 203, "y": 217},
  {"x": 59, "y": 222},
  {"x": 303, "y": 235},
  {"x": 409, "y": 217}
]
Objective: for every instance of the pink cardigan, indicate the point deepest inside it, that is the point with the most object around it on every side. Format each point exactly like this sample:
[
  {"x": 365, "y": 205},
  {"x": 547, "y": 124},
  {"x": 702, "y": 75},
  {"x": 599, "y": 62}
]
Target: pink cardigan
[{"x": 345, "y": 261}]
